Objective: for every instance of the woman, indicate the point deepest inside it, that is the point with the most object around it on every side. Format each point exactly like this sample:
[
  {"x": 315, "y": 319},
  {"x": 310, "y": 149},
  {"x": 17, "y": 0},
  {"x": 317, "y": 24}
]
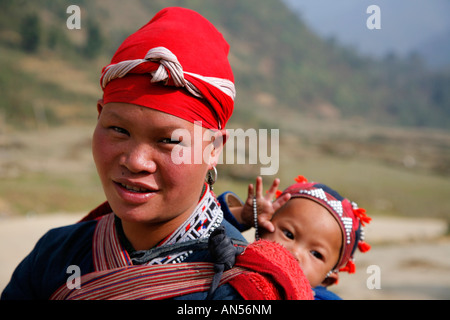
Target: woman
[{"x": 167, "y": 85}]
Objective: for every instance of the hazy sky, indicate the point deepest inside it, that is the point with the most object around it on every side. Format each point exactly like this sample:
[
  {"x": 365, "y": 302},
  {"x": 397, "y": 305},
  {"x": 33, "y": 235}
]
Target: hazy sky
[{"x": 405, "y": 24}]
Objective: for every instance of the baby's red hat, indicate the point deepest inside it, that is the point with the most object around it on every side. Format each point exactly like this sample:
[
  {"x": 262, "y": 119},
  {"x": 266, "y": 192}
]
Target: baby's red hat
[
  {"x": 350, "y": 218},
  {"x": 176, "y": 63}
]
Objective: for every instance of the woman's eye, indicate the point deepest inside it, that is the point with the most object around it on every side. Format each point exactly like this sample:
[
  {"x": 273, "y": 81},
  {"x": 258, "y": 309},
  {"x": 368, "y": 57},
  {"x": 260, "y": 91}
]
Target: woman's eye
[
  {"x": 317, "y": 254},
  {"x": 288, "y": 234},
  {"x": 170, "y": 141},
  {"x": 120, "y": 130}
]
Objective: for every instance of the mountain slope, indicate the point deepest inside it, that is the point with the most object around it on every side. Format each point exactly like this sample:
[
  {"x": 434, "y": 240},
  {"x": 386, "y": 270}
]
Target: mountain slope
[{"x": 279, "y": 64}]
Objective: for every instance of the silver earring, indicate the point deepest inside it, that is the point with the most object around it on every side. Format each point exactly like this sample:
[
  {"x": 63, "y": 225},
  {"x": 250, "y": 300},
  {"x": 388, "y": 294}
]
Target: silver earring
[
  {"x": 212, "y": 177},
  {"x": 330, "y": 273}
]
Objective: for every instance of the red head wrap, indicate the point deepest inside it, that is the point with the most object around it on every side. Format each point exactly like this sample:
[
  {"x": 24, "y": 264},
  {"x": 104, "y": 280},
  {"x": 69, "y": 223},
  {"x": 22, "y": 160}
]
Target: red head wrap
[{"x": 177, "y": 63}]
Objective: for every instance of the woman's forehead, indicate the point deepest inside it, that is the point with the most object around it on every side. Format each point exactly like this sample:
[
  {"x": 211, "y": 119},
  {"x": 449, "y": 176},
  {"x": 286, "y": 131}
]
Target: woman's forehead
[{"x": 144, "y": 116}]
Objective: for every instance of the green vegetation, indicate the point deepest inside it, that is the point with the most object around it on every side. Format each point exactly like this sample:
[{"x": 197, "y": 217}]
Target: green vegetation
[
  {"x": 272, "y": 52},
  {"x": 339, "y": 113}
]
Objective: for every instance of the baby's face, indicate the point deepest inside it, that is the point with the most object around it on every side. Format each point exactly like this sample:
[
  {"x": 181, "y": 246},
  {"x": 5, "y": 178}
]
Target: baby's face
[{"x": 311, "y": 234}]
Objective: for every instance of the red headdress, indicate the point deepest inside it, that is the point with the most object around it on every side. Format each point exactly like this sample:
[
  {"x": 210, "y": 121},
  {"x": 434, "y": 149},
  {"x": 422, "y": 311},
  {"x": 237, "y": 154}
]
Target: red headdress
[
  {"x": 176, "y": 63},
  {"x": 350, "y": 218}
]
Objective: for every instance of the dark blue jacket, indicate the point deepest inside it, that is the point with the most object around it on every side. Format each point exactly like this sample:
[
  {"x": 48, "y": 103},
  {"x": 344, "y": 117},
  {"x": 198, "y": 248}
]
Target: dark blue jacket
[{"x": 44, "y": 270}]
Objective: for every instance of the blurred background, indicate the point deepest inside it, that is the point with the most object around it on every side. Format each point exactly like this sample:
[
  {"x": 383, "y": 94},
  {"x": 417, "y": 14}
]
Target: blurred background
[{"x": 366, "y": 111}]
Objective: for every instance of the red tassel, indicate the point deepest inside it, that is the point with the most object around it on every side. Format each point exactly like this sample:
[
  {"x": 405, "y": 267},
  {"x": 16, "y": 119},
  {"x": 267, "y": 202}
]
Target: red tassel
[
  {"x": 278, "y": 193},
  {"x": 361, "y": 214},
  {"x": 363, "y": 246},
  {"x": 301, "y": 179},
  {"x": 349, "y": 267},
  {"x": 352, "y": 267}
]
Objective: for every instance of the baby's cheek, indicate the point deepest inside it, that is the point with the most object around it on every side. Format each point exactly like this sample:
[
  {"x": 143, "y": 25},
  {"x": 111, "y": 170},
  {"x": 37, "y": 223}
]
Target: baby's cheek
[{"x": 270, "y": 236}]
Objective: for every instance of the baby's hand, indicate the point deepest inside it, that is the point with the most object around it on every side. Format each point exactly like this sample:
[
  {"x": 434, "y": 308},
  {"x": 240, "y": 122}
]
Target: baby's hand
[{"x": 266, "y": 207}]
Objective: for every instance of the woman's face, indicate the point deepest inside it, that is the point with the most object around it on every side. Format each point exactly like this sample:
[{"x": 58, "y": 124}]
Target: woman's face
[{"x": 134, "y": 154}]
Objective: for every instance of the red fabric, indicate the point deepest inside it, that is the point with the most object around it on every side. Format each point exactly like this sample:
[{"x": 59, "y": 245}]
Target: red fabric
[
  {"x": 200, "y": 49},
  {"x": 101, "y": 210},
  {"x": 276, "y": 275}
]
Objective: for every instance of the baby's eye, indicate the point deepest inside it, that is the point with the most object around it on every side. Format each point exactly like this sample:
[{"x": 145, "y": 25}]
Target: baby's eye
[
  {"x": 317, "y": 254},
  {"x": 288, "y": 234}
]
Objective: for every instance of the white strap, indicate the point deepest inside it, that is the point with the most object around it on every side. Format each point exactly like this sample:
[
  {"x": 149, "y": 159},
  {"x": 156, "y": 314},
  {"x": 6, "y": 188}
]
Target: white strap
[{"x": 167, "y": 60}]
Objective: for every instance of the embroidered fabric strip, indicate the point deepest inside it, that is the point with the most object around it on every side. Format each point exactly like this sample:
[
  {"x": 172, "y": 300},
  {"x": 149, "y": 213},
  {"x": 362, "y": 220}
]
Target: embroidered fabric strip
[
  {"x": 206, "y": 217},
  {"x": 145, "y": 282},
  {"x": 108, "y": 253}
]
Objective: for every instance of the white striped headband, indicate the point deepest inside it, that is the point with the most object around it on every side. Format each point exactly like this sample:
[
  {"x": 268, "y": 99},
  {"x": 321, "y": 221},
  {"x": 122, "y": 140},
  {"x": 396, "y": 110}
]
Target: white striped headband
[{"x": 167, "y": 60}]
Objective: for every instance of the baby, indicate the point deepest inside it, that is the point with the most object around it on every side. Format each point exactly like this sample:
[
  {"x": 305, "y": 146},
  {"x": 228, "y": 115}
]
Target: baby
[{"x": 316, "y": 224}]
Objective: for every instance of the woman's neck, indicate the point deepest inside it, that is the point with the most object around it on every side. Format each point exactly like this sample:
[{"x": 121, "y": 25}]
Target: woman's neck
[{"x": 144, "y": 236}]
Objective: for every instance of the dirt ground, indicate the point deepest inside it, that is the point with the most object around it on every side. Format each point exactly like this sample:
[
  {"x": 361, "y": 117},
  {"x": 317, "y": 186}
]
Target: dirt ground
[{"x": 410, "y": 258}]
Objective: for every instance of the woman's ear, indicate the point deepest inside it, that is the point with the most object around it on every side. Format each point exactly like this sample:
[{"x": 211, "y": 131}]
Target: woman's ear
[
  {"x": 218, "y": 139},
  {"x": 100, "y": 105}
]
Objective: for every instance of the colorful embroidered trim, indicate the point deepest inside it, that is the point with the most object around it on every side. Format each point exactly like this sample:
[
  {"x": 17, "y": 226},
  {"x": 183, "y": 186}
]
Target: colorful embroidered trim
[{"x": 145, "y": 282}]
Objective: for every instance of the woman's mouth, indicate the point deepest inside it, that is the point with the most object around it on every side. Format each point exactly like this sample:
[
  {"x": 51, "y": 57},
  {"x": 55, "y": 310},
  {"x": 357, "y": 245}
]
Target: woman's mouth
[
  {"x": 134, "y": 188},
  {"x": 134, "y": 193}
]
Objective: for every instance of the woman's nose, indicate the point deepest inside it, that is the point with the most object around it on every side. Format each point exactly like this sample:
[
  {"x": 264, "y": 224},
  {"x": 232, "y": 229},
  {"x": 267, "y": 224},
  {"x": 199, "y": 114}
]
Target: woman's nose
[{"x": 139, "y": 158}]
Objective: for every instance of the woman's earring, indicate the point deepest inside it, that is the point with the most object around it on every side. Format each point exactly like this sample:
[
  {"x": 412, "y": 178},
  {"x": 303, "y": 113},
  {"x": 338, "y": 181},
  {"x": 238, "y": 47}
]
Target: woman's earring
[{"x": 212, "y": 177}]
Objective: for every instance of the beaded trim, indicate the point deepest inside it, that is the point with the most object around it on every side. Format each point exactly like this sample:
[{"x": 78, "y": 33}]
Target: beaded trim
[
  {"x": 255, "y": 218},
  {"x": 337, "y": 207}
]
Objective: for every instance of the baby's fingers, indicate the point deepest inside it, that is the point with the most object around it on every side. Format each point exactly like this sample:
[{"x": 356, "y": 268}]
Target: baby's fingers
[
  {"x": 280, "y": 201},
  {"x": 250, "y": 191},
  {"x": 259, "y": 187},
  {"x": 266, "y": 224},
  {"x": 273, "y": 189}
]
